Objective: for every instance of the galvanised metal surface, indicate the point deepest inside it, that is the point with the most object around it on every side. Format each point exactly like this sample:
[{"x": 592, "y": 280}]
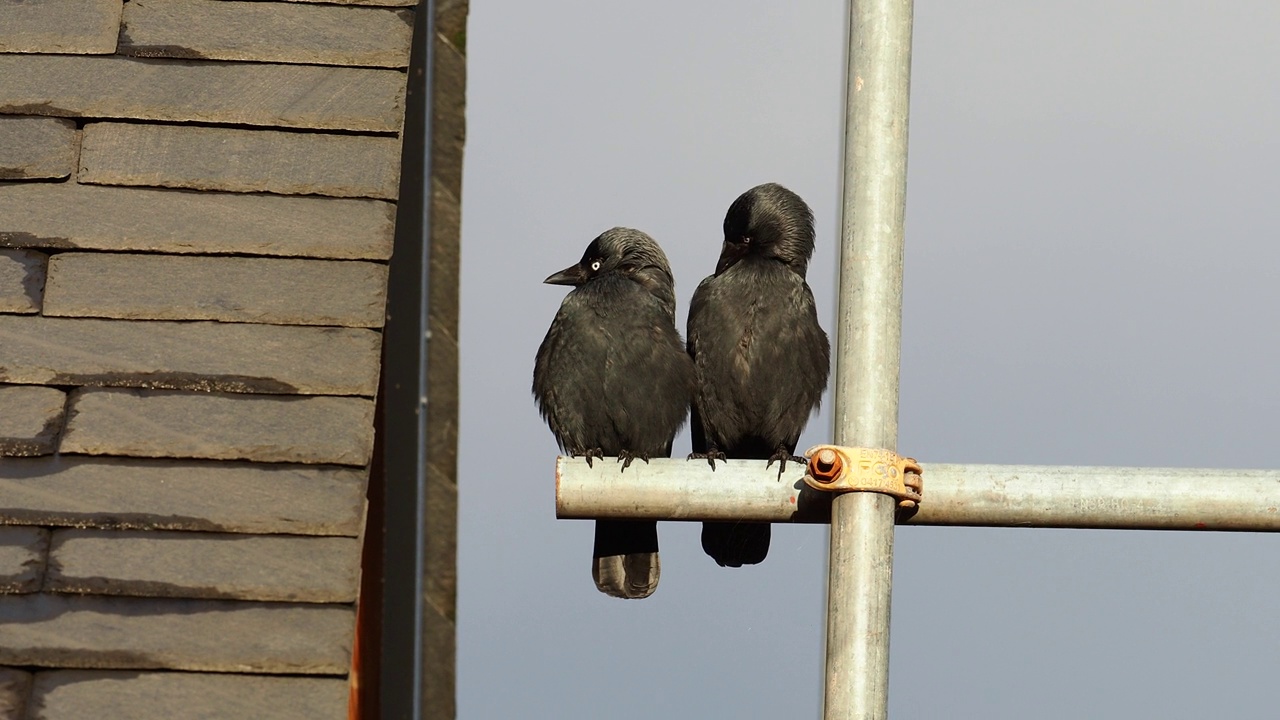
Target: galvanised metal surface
[{"x": 969, "y": 495}]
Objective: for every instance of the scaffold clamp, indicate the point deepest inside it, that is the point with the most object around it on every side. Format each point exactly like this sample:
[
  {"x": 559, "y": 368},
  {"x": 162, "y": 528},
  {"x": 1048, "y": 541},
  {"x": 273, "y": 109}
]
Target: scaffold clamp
[{"x": 833, "y": 468}]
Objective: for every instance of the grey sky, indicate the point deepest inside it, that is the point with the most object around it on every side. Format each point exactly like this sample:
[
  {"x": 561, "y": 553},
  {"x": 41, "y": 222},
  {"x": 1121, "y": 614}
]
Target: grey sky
[{"x": 1091, "y": 278}]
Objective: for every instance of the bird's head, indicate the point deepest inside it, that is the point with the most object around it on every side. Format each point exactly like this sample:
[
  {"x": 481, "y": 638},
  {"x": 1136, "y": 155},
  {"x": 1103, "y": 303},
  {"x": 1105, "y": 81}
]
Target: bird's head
[
  {"x": 622, "y": 251},
  {"x": 769, "y": 222}
]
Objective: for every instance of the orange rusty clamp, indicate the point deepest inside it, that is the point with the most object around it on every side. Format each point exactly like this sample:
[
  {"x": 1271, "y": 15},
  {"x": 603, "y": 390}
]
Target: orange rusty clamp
[{"x": 834, "y": 468}]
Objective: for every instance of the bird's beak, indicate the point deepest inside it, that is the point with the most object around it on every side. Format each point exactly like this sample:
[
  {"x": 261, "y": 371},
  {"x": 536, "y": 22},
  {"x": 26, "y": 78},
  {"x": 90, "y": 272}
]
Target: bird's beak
[
  {"x": 730, "y": 253},
  {"x": 572, "y": 275}
]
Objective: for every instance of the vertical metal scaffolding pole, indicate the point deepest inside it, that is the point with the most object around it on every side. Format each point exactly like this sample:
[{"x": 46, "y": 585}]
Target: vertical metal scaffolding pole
[{"x": 869, "y": 333}]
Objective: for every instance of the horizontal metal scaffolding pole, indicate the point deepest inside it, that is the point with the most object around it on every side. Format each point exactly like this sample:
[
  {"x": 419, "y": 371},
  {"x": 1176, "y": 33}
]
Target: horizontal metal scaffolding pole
[{"x": 972, "y": 495}]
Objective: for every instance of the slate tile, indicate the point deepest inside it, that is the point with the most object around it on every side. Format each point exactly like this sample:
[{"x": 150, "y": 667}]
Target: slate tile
[
  {"x": 204, "y": 565},
  {"x": 182, "y": 495},
  {"x": 60, "y": 26},
  {"x": 231, "y": 289},
  {"x": 159, "y": 423},
  {"x": 30, "y": 420},
  {"x": 33, "y": 148},
  {"x": 383, "y": 3},
  {"x": 68, "y": 215},
  {"x": 295, "y": 96},
  {"x": 15, "y": 687},
  {"x": 238, "y": 160},
  {"x": 22, "y": 558},
  {"x": 22, "y": 277},
  {"x": 267, "y": 32},
  {"x": 72, "y": 631},
  {"x": 114, "y": 695},
  {"x": 230, "y": 357}
]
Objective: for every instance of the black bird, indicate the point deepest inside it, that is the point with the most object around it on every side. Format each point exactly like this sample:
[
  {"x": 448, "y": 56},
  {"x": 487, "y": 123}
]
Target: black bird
[
  {"x": 761, "y": 358},
  {"x": 612, "y": 378}
]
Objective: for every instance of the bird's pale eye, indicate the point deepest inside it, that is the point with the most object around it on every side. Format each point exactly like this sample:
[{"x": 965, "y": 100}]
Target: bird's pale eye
[
  {"x": 595, "y": 265},
  {"x": 746, "y": 239}
]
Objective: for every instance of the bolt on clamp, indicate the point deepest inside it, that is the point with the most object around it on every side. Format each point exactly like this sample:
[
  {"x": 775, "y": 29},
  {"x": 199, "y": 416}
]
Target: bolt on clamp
[{"x": 834, "y": 468}]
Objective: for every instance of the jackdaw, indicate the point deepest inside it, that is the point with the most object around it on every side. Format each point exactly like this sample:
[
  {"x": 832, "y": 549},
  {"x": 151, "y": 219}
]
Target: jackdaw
[
  {"x": 761, "y": 358},
  {"x": 612, "y": 378}
]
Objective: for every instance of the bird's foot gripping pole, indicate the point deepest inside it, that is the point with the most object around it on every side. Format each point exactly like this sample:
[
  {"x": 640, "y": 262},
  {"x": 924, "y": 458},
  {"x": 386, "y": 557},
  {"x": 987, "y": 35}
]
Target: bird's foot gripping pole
[{"x": 834, "y": 468}]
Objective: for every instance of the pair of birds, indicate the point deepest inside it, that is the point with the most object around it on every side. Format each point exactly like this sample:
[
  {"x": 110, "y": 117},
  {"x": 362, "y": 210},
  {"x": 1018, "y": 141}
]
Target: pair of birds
[{"x": 612, "y": 376}]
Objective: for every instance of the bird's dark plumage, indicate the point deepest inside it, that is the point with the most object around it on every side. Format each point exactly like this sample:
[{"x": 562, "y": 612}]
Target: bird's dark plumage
[
  {"x": 761, "y": 358},
  {"x": 612, "y": 378}
]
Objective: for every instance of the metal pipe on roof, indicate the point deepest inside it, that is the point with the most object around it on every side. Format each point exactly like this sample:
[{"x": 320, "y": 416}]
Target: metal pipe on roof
[{"x": 966, "y": 495}]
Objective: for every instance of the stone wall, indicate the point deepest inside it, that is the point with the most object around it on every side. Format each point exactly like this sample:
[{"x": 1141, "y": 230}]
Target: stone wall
[
  {"x": 196, "y": 212},
  {"x": 448, "y": 135}
]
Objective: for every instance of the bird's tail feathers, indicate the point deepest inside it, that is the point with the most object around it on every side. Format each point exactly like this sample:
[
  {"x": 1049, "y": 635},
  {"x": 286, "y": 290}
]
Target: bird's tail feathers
[
  {"x": 625, "y": 561},
  {"x": 631, "y": 577},
  {"x": 736, "y": 544}
]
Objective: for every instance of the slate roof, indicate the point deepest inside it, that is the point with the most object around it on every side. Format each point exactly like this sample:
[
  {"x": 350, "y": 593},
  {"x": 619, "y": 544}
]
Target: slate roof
[{"x": 196, "y": 212}]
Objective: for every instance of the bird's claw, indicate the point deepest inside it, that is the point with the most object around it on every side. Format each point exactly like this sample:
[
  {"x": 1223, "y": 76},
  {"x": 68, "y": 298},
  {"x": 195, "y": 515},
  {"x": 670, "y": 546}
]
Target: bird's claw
[
  {"x": 626, "y": 456},
  {"x": 711, "y": 456},
  {"x": 588, "y": 453},
  {"x": 781, "y": 456}
]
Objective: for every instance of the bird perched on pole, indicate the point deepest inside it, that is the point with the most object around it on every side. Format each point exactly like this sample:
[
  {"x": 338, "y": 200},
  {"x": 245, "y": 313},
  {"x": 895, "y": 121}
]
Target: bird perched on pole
[
  {"x": 760, "y": 355},
  {"x": 612, "y": 378}
]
